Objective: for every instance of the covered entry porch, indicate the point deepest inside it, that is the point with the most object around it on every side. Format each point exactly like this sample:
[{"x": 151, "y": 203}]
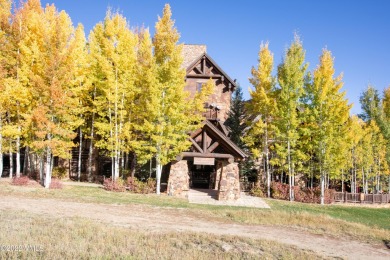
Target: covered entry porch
[{"x": 211, "y": 163}]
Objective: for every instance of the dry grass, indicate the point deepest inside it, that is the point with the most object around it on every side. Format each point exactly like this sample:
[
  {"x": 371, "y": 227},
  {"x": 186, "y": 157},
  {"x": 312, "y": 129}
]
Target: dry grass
[
  {"x": 359, "y": 223},
  {"x": 76, "y": 238}
]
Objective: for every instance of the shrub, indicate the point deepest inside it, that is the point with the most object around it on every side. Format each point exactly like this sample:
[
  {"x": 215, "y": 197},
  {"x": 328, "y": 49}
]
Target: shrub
[
  {"x": 20, "y": 181},
  {"x": 118, "y": 185},
  {"x": 305, "y": 195},
  {"x": 257, "y": 192},
  {"x": 59, "y": 172},
  {"x": 55, "y": 184},
  {"x": 138, "y": 186},
  {"x": 280, "y": 191}
]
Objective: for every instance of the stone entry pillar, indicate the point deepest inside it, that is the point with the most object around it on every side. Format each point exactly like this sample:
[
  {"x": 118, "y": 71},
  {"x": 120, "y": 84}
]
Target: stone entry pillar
[
  {"x": 179, "y": 180},
  {"x": 229, "y": 181}
]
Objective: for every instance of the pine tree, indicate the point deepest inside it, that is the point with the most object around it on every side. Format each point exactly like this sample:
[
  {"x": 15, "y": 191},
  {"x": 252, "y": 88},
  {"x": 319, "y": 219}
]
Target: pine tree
[
  {"x": 291, "y": 78},
  {"x": 263, "y": 107},
  {"x": 235, "y": 120},
  {"x": 370, "y": 103}
]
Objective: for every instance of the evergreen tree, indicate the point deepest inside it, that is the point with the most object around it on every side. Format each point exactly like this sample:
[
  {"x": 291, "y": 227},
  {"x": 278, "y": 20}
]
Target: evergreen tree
[
  {"x": 236, "y": 118},
  {"x": 370, "y": 102}
]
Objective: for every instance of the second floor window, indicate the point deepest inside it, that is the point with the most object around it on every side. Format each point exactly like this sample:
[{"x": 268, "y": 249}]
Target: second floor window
[{"x": 199, "y": 86}]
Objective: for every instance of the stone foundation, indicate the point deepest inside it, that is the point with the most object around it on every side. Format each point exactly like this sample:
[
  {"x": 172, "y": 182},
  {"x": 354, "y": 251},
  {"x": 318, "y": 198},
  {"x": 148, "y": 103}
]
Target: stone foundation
[
  {"x": 229, "y": 181},
  {"x": 179, "y": 180}
]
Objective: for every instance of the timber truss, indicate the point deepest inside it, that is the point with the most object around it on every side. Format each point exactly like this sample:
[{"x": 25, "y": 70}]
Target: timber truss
[{"x": 211, "y": 141}]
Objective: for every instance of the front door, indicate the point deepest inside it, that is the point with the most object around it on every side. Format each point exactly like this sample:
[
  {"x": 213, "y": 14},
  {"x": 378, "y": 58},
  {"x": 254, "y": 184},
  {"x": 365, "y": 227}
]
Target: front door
[{"x": 200, "y": 176}]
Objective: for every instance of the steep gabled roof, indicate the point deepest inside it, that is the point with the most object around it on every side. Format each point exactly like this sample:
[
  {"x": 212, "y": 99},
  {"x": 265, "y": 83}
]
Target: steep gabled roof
[
  {"x": 224, "y": 140},
  {"x": 194, "y": 63}
]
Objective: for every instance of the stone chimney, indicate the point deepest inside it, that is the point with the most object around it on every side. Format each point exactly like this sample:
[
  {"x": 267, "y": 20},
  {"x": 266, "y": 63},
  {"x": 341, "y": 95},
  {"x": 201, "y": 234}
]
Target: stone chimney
[{"x": 191, "y": 52}]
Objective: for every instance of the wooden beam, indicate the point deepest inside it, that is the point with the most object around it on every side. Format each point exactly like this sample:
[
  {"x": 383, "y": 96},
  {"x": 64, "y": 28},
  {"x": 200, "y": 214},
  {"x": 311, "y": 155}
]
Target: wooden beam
[
  {"x": 204, "y": 140},
  {"x": 195, "y": 144},
  {"x": 196, "y": 133},
  {"x": 207, "y": 155},
  {"x": 212, "y": 147},
  {"x": 204, "y": 76}
]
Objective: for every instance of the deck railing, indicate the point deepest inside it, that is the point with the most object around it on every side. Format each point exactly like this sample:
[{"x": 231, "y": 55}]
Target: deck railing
[{"x": 361, "y": 198}]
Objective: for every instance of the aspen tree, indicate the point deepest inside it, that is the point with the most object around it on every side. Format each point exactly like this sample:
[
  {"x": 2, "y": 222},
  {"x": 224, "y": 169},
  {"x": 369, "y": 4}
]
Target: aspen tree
[
  {"x": 173, "y": 113},
  {"x": 48, "y": 72},
  {"x": 291, "y": 78},
  {"x": 262, "y": 105},
  {"x": 330, "y": 112},
  {"x": 5, "y": 15},
  {"x": 112, "y": 46}
]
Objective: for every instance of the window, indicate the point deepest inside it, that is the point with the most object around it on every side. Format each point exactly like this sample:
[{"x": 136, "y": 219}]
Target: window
[{"x": 199, "y": 86}]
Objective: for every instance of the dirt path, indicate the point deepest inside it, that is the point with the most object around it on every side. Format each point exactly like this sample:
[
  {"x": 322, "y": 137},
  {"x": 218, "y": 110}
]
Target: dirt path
[{"x": 170, "y": 219}]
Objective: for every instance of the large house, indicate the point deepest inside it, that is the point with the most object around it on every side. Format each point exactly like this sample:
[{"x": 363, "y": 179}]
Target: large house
[{"x": 212, "y": 160}]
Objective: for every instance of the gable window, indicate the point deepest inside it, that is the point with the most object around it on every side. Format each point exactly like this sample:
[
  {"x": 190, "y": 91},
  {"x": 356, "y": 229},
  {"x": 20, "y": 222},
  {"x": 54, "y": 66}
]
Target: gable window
[{"x": 199, "y": 86}]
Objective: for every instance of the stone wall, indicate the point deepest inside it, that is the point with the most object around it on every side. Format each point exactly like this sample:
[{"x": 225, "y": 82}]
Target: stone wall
[
  {"x": 179, "y": 180},
  {"x": 191, "y": 52},
  {"x": 229, "y": 183}
]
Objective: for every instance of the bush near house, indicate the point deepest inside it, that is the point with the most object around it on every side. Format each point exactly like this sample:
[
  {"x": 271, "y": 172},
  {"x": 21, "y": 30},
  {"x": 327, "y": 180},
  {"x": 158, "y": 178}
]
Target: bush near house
[
  {"x": 306, "y": 195},
  {"x": 138, "y": 186},
  {"x": 118, "y": 185}
]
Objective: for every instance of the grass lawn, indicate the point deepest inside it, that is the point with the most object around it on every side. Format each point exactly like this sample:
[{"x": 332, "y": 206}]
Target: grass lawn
[{"x": 362, "y": 223}]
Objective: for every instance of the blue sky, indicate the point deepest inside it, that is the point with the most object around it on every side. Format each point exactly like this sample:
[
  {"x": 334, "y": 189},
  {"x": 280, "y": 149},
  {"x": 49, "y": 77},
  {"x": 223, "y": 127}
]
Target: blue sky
[{"x": 357, "y": 32}]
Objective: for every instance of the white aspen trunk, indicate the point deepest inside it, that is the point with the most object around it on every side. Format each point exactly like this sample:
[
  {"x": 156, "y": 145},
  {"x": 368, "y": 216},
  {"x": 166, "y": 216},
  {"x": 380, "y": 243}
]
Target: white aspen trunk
[
  {"x": 322, "y": 185},
  {"x": 342, "y": 180},
  {"x": 116, "y": 166},
  {"x": 80, "y": 151},
  {"x": 364, "y": 188},
  {"x": 267, "y": 163},
  {"x": 150, "y": 171},
  {"x": 18, "y": 156},
  {"x": 378, "y": 176},
  {"x": 48, "y": 165},
  {"x": 11, "y": 162},
  {"x": 122, "y": 161},
  {"x": 41, "y": 170},
  {"x": 158, "y": 175},
  {"x": 289, "y": 170},
  {"x": 311, "y": 173},
  {"x": 90, "y": 150}
]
